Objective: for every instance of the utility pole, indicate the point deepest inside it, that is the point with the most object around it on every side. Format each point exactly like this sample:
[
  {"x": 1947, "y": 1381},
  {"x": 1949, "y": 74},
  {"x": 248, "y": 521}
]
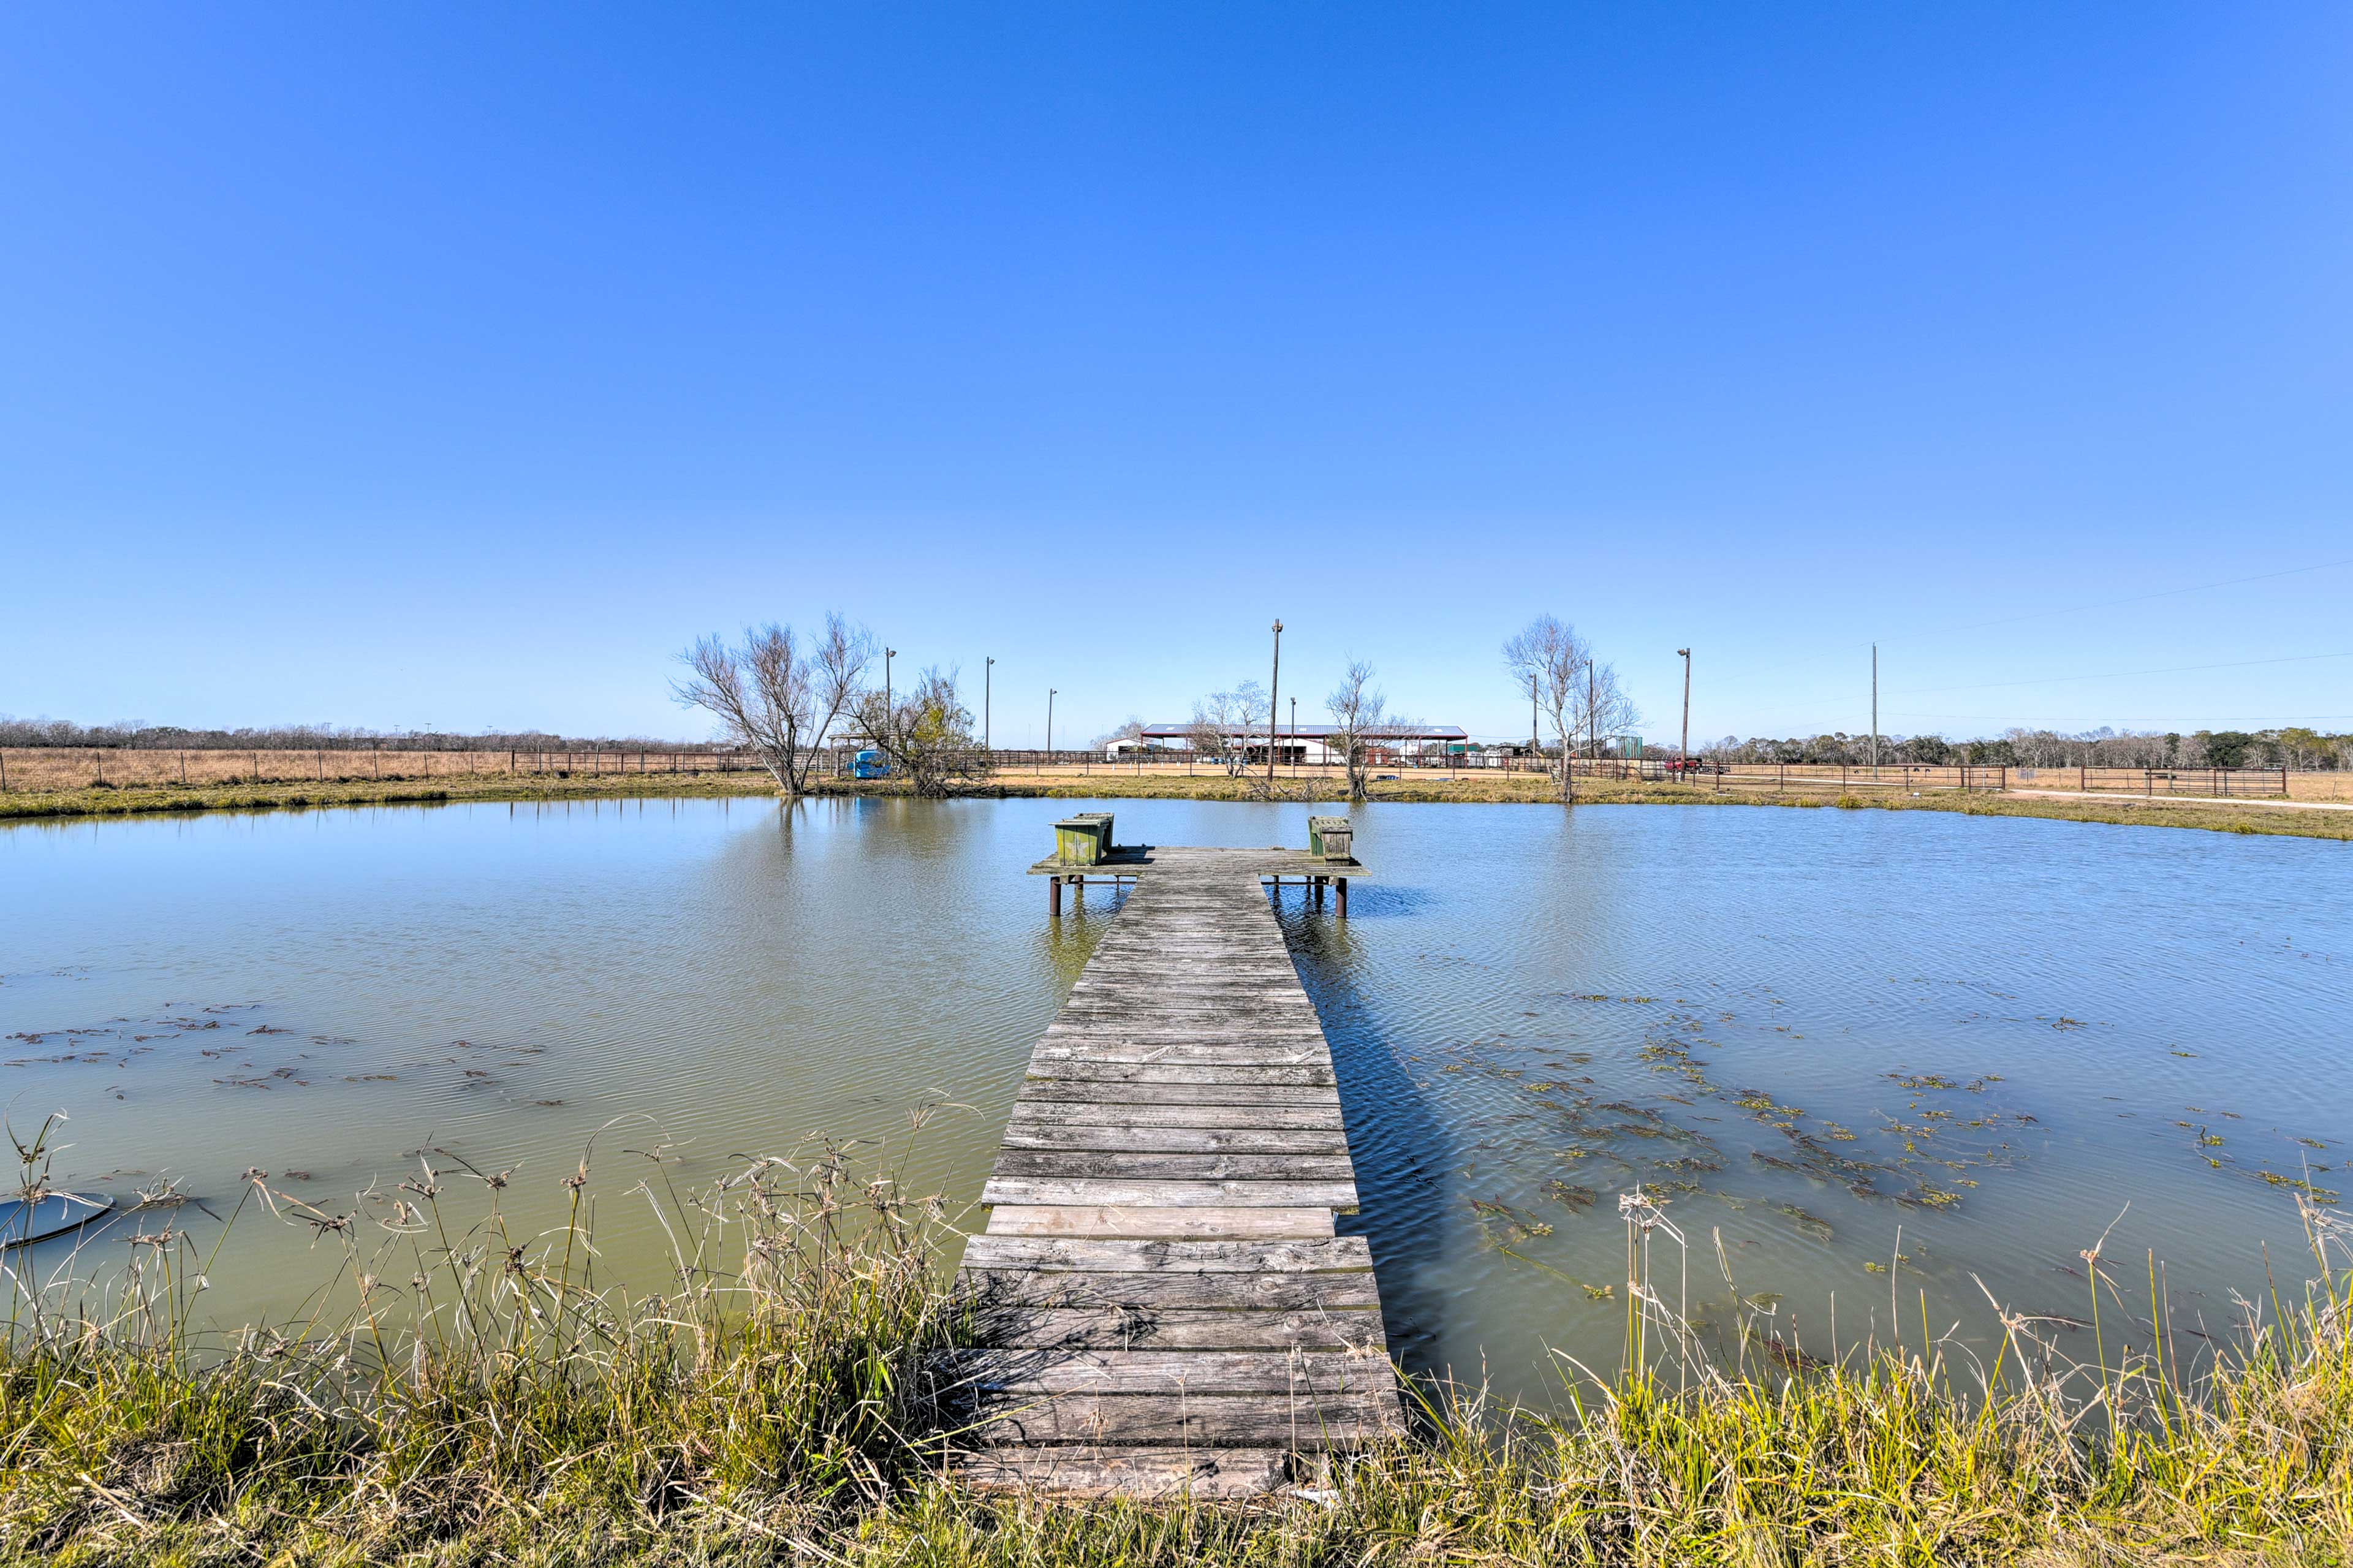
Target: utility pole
[
  {"x": 1295, "y": 737},
  {"x": 988, "y": 676},
  {"x": 1536, "y": 746},
  {"x": 1874, "y": 710},
  {"x": 1593, "y": 711},
  {"x": 1683, "y": 752},
  {"x": 1274, "y": 703},
  {"x": 888, "y": 721},
  {"x": 1049, "y": 721}
]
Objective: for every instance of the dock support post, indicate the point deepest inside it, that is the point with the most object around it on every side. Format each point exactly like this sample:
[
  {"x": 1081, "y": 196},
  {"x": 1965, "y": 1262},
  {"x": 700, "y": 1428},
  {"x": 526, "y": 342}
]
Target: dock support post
[
  {"x": 1340, "y": 893},
  {"x": 1318, "y": 883},
  {"x": 1053, "y": 896}
]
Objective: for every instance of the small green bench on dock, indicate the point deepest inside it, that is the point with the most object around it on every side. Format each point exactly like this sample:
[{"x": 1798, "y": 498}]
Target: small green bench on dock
[
  {"x": 1331, "y": 837},
  {"x": 1083, "y": 839}
]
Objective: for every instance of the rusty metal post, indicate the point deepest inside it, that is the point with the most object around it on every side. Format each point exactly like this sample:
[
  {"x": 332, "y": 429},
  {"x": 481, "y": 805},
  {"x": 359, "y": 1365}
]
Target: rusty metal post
[
  {"x": 1053, "y": 896},
  {"x": 1340, "y": 894}
]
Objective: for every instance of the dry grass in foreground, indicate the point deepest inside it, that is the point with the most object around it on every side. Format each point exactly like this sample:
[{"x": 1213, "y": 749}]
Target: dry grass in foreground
[{"x": 484, "y": 1399}]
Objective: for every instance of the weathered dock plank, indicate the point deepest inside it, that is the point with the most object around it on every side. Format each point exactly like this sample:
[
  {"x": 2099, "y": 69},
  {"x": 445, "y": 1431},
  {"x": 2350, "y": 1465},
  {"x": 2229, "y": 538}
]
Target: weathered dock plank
[
  {"x": 1341, "y": 1255},
  {"x": 1160, "y": 1303},
  {"x": 1039, "y": 1089},
  {"x": 1072, "y": 1113},
  {"x": 1138, "y": 1220},
  {"x": 1015, "y": 1371},
  {"x": 1137, "y": 1328},
  {"x": 1301, "y": 1422},
  {"x": 1163, "y": 1193},
  {"x": 1177, "y": 1140},
  {"x": 1091, "y": 1470}
]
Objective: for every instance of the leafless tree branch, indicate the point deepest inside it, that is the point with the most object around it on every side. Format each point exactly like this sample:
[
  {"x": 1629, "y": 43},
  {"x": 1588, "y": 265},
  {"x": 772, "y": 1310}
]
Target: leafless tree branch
[{"x": 776, "y": 699}]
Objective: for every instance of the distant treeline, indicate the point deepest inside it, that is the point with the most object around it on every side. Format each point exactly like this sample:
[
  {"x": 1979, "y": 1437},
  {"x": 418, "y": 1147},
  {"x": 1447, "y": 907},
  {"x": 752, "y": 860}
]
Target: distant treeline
[
  {"x": 317, "y": 738},
  {"x": 2101, "y": 748}
]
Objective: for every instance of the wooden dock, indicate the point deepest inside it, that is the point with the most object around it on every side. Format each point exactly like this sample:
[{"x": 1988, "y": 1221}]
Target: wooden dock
[{"x": 1160, "y": 1298}]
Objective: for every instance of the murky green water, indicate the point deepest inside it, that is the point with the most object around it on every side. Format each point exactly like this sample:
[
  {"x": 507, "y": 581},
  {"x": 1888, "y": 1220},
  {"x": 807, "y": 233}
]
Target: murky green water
[{"x": 1805, "y": 1028}]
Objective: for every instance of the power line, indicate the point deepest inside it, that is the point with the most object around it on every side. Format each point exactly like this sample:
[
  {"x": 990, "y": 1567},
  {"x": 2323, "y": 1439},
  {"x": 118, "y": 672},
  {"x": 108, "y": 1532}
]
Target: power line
[
  {"x": 2119, "y": 674},
  {"x": 1781, "y": 670},
  {"x": 2131, "y": 599},
  {"x": 2113, "y": 721}
]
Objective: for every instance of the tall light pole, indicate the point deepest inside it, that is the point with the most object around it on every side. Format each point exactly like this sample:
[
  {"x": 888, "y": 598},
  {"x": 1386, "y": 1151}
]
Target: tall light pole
[
  {"x": 1274, "y": 703},
  {"x": 889, "y": 653},
  {"x": 1874, "y": 710},
  {"x": 988, "y": 676},
  {"x": 1295, "y": 737},
  {"x": 1049, "y": 721},
  {"x": 1683, "y": 752}
]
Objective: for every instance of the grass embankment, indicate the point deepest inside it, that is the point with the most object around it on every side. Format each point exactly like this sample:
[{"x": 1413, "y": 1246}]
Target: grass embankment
[
  {"x": 777, "y": 1406},
  {"x": 298, "y": 794},
  {"x": 2253, "y": 817}
]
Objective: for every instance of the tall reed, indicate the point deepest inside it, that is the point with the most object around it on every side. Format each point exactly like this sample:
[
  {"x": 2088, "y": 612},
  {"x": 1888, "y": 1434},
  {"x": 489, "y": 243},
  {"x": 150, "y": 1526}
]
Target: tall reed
[{"x": 490, "y": 1400}]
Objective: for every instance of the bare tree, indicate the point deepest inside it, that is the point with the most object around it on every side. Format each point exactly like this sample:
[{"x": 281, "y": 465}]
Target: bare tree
[
  {"x": 926, "y": 733},
  {"x": 1223, "y": 723},
  {"x": 1549, "y": 657},
  {"x": 1131, "y": 731},
  {"x": 776, "y": 697},
  {"x": 1358, "y": 710}
]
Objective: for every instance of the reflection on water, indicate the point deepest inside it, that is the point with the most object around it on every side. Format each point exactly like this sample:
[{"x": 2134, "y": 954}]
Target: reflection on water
[{"x": 1805, "y": 1030}]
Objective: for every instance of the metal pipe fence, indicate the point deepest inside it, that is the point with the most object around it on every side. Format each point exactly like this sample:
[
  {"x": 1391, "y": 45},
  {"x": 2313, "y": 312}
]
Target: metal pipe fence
[{"x": 51, "y": 768}]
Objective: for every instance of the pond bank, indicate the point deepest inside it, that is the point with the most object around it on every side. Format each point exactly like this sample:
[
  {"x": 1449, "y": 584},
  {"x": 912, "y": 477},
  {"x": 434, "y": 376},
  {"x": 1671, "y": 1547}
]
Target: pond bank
[
  {"x": 2253, "y": 816},
  {"x": 796, "y": 1410}
]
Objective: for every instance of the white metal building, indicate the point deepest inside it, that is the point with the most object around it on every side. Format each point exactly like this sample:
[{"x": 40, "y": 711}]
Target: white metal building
[{"x": 1310, "y": 744}]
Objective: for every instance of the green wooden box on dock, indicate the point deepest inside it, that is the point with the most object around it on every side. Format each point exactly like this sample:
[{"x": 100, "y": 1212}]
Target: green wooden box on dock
[
  {"x": 1331, "y": 836},
  {"x": 1083, "y": 839}
]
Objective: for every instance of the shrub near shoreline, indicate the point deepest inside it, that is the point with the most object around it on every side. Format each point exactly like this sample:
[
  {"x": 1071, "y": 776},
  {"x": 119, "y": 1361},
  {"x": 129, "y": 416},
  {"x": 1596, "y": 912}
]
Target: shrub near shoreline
[{"x": 479, "y": 1396}]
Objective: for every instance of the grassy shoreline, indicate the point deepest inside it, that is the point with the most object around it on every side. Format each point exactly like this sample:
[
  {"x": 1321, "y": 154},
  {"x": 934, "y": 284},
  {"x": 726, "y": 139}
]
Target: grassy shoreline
[
  {"x": 2255, "y": 817},
  {"x": 783, "y": 1402}
]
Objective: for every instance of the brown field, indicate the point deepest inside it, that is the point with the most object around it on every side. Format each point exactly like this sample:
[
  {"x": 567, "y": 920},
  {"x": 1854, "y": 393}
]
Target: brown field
[
  {"x": 41, "y": 769},
  {"x": 66, "y": 784}
]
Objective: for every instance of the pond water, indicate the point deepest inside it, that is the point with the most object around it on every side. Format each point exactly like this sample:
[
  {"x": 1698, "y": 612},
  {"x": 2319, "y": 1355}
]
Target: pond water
[{"x": 1803, "y": 1028}]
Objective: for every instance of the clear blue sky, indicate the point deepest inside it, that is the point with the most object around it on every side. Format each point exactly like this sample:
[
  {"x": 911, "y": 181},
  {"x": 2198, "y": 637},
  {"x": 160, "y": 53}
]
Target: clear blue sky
[{"x": 395, "y": 364}]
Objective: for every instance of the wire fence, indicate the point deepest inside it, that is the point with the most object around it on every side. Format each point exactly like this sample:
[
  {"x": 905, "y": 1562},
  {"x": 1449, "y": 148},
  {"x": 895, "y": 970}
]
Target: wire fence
[
  {"x": 2216, "y": 783},
  {"x": 54, "y": 768},
  {"x": 49, "y": 768}
]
